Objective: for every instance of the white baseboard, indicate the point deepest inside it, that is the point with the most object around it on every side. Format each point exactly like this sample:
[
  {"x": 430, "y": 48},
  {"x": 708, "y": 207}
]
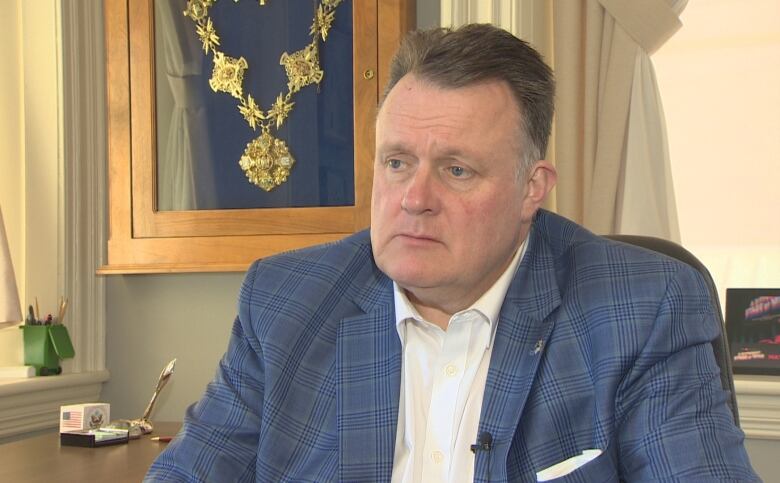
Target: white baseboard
[{"x": 758, "y": 398}]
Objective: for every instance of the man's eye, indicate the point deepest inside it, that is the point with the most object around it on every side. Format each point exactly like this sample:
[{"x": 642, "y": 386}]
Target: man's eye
[
  {"x": 458, "y": 171},
  {"x": 394, "y": 163}
]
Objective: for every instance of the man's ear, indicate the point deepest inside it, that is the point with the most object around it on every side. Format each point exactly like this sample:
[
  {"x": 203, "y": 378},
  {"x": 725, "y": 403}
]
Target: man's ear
[{"x": 540, "y": 181}]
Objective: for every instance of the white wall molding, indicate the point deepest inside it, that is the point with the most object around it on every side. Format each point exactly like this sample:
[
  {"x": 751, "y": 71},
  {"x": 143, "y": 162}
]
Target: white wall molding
[
  {"x": 84, "y": 178},
  {"x": 520, "y": 18},
  {"x": 758, "y": 399},
  {"x": 530, "y": 20},
  {"x": 504, "y": 13}
]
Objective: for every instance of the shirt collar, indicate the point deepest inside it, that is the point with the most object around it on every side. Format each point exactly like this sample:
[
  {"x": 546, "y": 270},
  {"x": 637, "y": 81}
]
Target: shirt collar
[{"x": 489, "y": 304}]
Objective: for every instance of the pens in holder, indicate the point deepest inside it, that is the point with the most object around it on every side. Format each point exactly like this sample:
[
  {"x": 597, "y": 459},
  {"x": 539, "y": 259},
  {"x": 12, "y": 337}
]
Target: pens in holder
[{"x": 62, "y": 309}]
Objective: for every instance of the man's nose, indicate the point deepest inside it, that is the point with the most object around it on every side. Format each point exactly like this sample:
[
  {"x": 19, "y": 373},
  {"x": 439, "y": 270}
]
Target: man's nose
[{"x": 420, "y": 194}]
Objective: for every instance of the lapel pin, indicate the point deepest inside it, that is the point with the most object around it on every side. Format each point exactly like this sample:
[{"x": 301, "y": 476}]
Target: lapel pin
[{"x": 538, "y": 347}]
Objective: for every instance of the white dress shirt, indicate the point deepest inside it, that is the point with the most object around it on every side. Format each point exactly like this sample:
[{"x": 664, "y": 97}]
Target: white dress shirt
[{"x": 443, "y": 379}]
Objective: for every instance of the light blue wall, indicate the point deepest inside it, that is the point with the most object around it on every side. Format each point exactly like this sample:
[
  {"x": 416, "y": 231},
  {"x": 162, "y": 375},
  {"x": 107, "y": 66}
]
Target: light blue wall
[{"x": 152, "y": 319}]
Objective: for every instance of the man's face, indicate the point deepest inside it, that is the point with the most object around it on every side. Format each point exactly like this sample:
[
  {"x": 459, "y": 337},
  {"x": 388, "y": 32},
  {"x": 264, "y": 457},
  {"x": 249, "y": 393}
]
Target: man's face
[{"x": 448, "y": 210}]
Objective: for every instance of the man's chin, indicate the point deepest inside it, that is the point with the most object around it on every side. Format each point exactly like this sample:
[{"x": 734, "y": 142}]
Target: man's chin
[{"x": 413, "y": 277}]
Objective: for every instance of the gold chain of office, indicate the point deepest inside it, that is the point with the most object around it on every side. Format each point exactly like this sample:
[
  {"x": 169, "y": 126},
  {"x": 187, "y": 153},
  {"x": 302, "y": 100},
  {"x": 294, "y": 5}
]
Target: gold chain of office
[{"x": 267, "y": 160}]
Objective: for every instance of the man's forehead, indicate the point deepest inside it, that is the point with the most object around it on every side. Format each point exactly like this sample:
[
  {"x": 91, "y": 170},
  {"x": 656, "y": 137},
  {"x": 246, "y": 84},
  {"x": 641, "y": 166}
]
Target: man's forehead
[
  {"x": 394, "y": 145},
  {"x": 412, "y": 90},
  {"x": 417, "y": 105}
]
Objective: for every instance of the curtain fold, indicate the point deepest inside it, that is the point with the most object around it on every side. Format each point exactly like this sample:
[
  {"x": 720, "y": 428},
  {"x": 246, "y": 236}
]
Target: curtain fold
[
  {"x": 649, "y": 22},
  {"x": 647, "y": 188}
]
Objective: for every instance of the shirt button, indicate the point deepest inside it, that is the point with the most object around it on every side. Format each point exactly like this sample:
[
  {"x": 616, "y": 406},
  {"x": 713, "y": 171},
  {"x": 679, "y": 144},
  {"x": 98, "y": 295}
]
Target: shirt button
[
  {"x": 437, "y": 457},
  {"x": 450, "y": 370}
]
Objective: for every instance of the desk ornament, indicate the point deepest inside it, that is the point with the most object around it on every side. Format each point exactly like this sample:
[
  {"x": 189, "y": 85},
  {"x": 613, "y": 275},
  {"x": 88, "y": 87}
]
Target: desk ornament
[
  {"x": 79, "y": 417},
  {"x": 81, "y": 425},
  {"x": 143, "y": 425},
  {"x": 267, "y": 160}
]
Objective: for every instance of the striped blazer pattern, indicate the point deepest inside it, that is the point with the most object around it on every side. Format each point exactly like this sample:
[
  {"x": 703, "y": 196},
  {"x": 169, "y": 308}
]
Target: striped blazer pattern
[{"x": 598, "y": 345}]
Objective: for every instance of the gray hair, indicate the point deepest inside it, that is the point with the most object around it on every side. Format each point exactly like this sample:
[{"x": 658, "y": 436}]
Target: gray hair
[{"x": 474, "y": 53}]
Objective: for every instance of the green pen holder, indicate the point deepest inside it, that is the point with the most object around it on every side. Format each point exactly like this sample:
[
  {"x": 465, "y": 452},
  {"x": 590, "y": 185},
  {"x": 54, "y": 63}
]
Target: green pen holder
[{"x": 45, "y": 346}]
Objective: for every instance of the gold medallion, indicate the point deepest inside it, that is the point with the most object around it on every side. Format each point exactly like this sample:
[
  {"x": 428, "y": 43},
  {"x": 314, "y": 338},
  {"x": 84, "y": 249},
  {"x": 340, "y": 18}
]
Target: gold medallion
[{"x": 267, "y": 161}]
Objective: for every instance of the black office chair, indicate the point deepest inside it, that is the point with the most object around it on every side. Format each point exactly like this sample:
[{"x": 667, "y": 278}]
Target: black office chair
[{"x": 720, "y": 345}]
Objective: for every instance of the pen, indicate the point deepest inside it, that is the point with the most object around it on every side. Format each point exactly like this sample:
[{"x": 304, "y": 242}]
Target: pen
[
  {"x": 162, "y": 439},
  {"x": 30, "y": 320},
  {"x": 63, "y": 308}
]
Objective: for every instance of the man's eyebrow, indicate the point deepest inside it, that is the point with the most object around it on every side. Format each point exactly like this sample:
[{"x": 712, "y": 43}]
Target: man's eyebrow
[
  {"x": 454, "y": 153},
  {"x": 394, "y": 146},
  {"x": 401, "y": 147}
]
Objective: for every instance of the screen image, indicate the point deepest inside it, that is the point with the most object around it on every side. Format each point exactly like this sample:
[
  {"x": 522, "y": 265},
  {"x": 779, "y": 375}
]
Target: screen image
[{"x": 753, "y": 329}]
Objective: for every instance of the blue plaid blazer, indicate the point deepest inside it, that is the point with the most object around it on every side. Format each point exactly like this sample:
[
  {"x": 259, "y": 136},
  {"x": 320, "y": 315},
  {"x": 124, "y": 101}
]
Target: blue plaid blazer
[{"x": 599, "y": 345}]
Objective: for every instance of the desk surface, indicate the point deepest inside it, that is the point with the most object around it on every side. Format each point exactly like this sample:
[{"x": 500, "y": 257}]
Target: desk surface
[{"x": 42, "y": 459}]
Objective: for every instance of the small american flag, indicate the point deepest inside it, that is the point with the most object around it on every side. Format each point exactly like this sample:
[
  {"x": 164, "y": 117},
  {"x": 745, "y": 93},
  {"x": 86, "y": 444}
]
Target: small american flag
[
  {"x": 76, "y": 417},
  {"x": 71, "y": 420}
]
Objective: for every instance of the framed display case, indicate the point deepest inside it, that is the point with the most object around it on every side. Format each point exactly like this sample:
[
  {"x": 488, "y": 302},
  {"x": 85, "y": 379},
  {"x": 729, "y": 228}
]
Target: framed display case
[{"x": 180, "y": 200}]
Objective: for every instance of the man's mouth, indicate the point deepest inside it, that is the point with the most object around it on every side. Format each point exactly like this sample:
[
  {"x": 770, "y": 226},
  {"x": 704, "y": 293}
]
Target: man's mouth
[{"x": 417, "y": 237}]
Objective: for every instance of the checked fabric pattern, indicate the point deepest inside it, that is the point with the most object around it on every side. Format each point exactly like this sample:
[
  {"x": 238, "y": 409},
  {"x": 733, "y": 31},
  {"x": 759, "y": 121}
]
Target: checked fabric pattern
[{"x": 599, "y": 345}]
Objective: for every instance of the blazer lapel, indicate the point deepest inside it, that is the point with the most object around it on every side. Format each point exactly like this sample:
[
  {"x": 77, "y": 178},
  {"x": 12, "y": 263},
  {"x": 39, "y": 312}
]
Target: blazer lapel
[
  {"x": 368, "y": 378},
  {"x": 522, "y": 333}
]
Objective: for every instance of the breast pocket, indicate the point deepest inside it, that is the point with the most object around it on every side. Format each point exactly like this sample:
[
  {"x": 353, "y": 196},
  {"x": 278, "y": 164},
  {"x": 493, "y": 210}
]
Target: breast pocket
[{"x": 602, "y": 469}]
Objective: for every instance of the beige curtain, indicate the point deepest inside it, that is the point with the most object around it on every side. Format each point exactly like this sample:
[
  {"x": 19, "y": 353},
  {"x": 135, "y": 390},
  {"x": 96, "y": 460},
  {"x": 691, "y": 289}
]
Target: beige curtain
[
  {"x": 610, "y": 147},
  {"x": 646, "y": 203}
]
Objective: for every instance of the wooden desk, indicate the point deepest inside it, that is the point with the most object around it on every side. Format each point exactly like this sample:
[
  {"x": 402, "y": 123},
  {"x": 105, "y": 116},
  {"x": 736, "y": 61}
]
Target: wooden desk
[{"x": 41, "y": 459}]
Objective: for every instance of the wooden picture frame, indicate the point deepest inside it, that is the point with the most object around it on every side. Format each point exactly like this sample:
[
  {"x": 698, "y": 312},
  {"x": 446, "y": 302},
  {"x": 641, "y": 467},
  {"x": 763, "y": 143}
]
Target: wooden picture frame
[{"x": 145, "y": 240}]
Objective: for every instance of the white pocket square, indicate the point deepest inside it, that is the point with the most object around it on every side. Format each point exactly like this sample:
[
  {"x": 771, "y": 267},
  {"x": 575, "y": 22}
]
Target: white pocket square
[{"x": 567, "y": 466}]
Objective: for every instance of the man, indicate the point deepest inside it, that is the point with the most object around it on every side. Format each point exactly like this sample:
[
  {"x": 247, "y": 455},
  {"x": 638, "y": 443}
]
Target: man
[{"x": 471, "y": 335}]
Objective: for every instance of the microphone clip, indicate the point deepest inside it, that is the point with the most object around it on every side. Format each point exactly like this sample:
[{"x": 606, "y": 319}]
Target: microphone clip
[{"x": 484, "y": 443}]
